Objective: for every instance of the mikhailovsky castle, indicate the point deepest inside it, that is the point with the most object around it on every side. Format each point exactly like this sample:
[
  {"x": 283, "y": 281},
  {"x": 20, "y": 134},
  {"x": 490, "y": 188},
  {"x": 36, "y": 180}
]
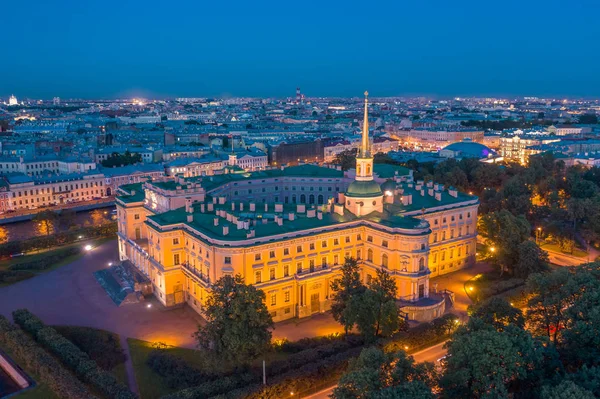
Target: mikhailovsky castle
[{"x": 288, "y": 230}]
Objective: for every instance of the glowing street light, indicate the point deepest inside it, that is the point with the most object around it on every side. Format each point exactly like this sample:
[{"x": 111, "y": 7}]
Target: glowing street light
[
  {"x": 149, "y": 305},
  {"x": 493, "y": 249},
  {"x": 88, "y": 247},
  {"x": 471, "y": 288}
]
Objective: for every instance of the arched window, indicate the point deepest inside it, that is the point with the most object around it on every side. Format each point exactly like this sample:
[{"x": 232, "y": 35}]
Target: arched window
[
  {"x": 320, "y": 199},
  {"x": 311, "y": 199},
  {"x": 370, "y": 255},
  {"x": 368, "y": 169},
  {"x": 303, "y": 199},
  {"x": 421, "y": 263},
  {"x": 384, "y": 260},
  {"x": 359, "y": 170},
  {"x": 294, "y": 199}
]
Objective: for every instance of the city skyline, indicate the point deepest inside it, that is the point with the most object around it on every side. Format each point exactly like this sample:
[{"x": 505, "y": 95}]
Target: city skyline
[{"x": 266, "y": 50}]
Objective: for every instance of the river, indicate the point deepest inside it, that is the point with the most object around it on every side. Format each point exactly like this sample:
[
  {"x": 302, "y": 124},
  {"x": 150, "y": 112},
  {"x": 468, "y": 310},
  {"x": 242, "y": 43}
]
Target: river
[{"x": 23, "y": 230}]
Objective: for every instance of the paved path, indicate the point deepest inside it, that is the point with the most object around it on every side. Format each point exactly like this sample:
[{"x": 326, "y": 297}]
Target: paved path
[
  {"x": 455, "y": 282},
  {"x": 70, "y": 295},
  {"x": 129, "y": 370}
]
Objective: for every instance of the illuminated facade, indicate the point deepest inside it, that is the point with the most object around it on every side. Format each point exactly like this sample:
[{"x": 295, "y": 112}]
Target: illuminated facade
[{"x": 288, "y": 231}]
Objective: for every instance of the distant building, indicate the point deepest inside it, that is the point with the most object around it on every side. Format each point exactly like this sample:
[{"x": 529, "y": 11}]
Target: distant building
[
  {"x": 469, "y": 149},
  {"x": 296, "y": 152},
  {"x": 565, "y": 130},
  {"x": 13, "y": 100},
  {"x": 438, "y": 137}
]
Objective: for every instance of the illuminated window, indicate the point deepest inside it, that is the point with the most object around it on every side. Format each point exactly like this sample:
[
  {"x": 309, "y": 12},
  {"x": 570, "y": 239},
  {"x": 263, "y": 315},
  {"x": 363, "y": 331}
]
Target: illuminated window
[
  {"x": 384, "y": 260},
  {"x": 272, "y": 274},
  {"x": 257, "y": 277}
]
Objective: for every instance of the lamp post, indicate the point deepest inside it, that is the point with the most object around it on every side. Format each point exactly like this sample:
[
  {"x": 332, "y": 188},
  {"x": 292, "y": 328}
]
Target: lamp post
[{"x": 538, "y": 234}]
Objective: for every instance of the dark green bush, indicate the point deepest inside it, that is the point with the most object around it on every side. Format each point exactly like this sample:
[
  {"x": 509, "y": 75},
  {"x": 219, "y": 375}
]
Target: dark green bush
[
  {"x": 47, "y": 261},
  {"x": 101, "y": 346},
  {"x": 12, "y": 276},
  {"x": 175, "y": 371},
  {"x": 30, "y": 355},
  {"x": 73, "y": 357}
]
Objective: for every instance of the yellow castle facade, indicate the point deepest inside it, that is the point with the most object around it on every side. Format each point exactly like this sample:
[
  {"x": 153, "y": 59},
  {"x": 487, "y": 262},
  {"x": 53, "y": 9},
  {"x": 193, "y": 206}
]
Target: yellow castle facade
[{"x": 288, "y": 230}]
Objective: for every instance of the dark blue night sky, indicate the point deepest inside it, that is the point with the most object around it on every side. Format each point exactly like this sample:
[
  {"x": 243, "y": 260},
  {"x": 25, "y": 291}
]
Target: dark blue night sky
[{"x": 91, "y": 49}]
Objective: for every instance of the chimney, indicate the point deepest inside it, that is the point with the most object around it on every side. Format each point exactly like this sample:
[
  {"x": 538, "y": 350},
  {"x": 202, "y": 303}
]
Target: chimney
[
  {"x": 320, "y": 215},
  {"x": 233, "y": 206},
  {"x": 246, "y": 224},
  {"x": 190, "y": 218},
  {"x": 291, "y": 216},
  {"x": 266, "y": 207},
  {"x": 202, "y": 206},
  {"x": 406, "y": 199},
  {"x": 216, "y": 221},
  {"x": 300, "y": 208},
  {"x": 339, "y": 209},
  {"x": 438, "y": 195},
  {"x": 430, "y": 184},
  {"x": 430, "y": 192},
  {"x": 211, "y": 207},
  {"x": 279, "y": 220},
  {"x": 188, "y": 205},
  {"x": 250, "y": 233},
  {"x": 221, "y": 200},
  {"x": 252, "y": 207},
  {"x": 278, "y": 207},
  {"x": 240, "y": 224},
  {"x": 422, "y": 193},
  {"x": 241, "y": 206},
  {"x": 225, "y": 230},
  {"x": 452, "y": 191},
  {"x": 311, "y": 213}
]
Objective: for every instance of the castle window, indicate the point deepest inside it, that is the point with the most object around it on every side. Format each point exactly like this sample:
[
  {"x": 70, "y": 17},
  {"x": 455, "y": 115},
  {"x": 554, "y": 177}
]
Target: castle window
[
  {"x": 258, "y": 277},
  {"x": 286, "y": 296},
  {"x": 384, "y": 243},
  {"x": 384, "y": 260},
  {"x": 228, "y": 260},
  {"x": 421, "y": 264},
  {"x": 257, "y": 257},
  {"x": 370, "y": 255},
  {"x": 370, "y": 238},
  {"x": 271, "y": 254},
  {"x": 272, "y": 274},
  {"x": 286, "y": 270}
]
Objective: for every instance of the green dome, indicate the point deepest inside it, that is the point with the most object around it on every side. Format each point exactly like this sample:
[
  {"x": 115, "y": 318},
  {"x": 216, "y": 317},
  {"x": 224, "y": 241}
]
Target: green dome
[{"x": 361, "y": 189}]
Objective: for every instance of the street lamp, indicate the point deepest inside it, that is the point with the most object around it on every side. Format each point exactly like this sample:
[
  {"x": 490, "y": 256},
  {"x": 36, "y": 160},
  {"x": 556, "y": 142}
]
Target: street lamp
[
  {"x": 538, "y": 234},
  {"x": 493, "y": 249},
  {"x": 88, "y": 247}
]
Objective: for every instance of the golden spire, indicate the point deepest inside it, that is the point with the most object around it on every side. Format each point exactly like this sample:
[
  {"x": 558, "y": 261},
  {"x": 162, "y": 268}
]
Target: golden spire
[{"x": 364, "y": 150}]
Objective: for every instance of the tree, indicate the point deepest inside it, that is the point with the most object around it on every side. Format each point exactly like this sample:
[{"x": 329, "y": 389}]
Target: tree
[
  {"x": 117, "y": 159},
  {"x": 505, "y": 232},
  {"x": 378, "y": 375},
  {"x": 237, "y": 321},
  {"x": 498, "y": 313},
  {"x": 531, "y": 259},
  {"x": 347, "y": 159},
  {"x": 566, "y": 390},
  {"x": 4, "y": 236},
  {"x": 550, "y": 295},
  {"x": 45, "y": 222},
  {"x": 375, "y": 308},
  {"x": 97, "y": 217},
  {"x": 344, "y": 289},
  {"x": 588, "y": 119},
  {"x": 483, "y": 362}
]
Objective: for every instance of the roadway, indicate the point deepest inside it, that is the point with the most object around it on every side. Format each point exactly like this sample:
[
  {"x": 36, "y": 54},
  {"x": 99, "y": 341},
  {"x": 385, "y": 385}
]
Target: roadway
[{"x": 431, "y": 354}]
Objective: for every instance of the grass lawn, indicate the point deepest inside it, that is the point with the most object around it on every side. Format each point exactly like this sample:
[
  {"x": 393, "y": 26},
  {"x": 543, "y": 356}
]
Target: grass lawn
[
  {"x": 576, "y": 251},
  {"x": 37, "y": 392},
  {"x": 484, "y": 286},
  {"x": 6, "y": 263},
  {"x": 152, "y": 386}
]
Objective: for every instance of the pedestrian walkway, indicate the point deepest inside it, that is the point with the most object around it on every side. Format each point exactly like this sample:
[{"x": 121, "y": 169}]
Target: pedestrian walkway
[{"x": 131, "y": 381}]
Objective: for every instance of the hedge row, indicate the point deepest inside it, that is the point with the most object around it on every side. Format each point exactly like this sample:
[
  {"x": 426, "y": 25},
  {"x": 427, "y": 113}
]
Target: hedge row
[
  {"x": 299, "y": 380},
  {"x": 73, "y": 357},
  {"x": 12, "y": 276},
  {"x": 58, "y": 239},
  {"x": 178, "y": 374},
  {"x": 102, "y": 346},
  {"x": 314, "y": 342},
  {"x": 50, "y": 372},
  {"x": 47, "y": 261}
]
